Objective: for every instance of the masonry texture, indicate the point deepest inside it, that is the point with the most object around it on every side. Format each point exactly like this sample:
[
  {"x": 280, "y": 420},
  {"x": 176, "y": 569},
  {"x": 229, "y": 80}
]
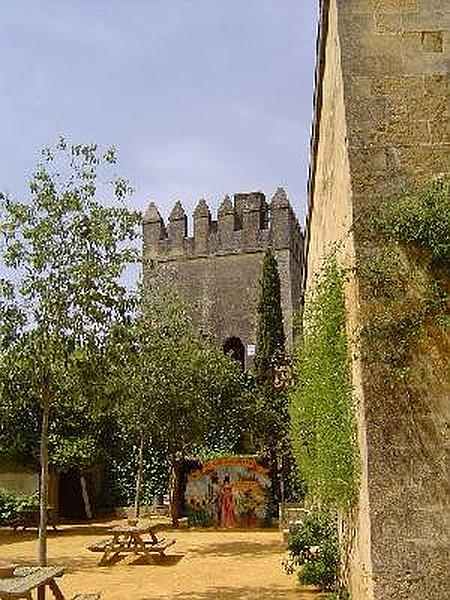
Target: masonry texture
[
  {"x": 217, "y": 270},
  {"x": 381, "y": 123}
]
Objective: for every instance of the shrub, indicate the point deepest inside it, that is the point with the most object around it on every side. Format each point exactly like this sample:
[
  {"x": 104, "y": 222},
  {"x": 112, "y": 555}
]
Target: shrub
[
  {"x": 11, "y": 505},
  {"x": 314, "y": 551}
]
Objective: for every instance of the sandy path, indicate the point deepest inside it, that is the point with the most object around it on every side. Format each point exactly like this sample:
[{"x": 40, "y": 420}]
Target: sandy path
[{"x": 202, "y": 565}]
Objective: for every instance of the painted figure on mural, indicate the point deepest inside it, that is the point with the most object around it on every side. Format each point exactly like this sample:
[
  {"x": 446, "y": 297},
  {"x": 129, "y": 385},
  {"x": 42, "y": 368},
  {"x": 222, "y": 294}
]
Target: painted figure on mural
[
  {"x": 227, "y": 516},
  {"x": 214, "y": 498}
]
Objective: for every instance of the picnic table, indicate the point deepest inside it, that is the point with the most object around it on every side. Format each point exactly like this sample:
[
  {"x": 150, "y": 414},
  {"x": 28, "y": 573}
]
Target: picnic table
[
  {"x": 29, "y": 517},
  {"x": 140, "y": 540},
  {"x": 27, "y": 579}
]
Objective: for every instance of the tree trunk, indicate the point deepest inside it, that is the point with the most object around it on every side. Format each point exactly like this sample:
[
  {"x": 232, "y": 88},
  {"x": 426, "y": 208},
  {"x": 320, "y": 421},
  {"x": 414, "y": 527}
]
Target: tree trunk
[
  {"x": 42, "y": 541},
  {"x": 175, "y": 490},
  {"x": 275, "y": 477},
  {"x": 139, "y": 477}
]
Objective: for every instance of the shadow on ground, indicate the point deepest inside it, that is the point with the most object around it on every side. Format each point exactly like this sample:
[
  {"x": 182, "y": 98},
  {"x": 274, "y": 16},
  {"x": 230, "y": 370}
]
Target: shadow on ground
[
  {"x": 241, "y": 593},
  {"x": 11, "y": 536},
  {"x": 238, "y": 548}
]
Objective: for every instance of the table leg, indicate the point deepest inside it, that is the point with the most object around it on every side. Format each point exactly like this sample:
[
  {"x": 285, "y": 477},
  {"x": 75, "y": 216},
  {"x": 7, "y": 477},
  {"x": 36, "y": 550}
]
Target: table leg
[
  {"x": 55, "y": 589},
  {"x": 104, "y": 559},
  {"x": 140, "y": 547},
  {"x": 110, "y": 552},
  {"x": 41, "y": 592}
]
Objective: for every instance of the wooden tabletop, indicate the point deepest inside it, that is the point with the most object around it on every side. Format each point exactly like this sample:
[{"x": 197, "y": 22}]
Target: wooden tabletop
[
  {"x": 130, "y": 529},
  {"x": 26, "y": 579}
]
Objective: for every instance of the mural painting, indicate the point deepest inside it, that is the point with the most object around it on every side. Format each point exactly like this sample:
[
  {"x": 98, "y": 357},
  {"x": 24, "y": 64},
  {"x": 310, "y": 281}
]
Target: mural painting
[{"x": 228, "y": 492}]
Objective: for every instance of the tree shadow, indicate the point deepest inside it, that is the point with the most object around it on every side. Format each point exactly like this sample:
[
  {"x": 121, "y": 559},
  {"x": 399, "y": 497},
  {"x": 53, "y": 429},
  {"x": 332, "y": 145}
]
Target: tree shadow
[
  {"x": 239, "y": 548},
  {"x": 242, "y": 593},
  {"x": 169, "y": 560},
  {"x": 13, "y": 536}
]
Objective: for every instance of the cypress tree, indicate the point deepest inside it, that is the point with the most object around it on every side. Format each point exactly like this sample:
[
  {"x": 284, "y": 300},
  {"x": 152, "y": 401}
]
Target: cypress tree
[
  {"x": 273, "y": 416},
  {"x": 270, "y": 338}
]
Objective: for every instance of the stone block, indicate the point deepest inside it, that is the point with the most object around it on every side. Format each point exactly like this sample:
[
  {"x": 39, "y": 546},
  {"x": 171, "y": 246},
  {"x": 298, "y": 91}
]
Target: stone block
[
  {"x": 359, "y": 87},
  {"x": 356, "y": 6},
  {"x": 440, "y": 131},
  {"x": 425, "y": 161},
  {"x": 425, "y": 63},
  {"x": 388, "y": 23},
  {"x": 411, "y": 43},
  {"x": 366, "y": 110},
  {"x": 432, "y": 41},
  {"x": 437, "y": 85},
  {"x": 393, "y": 6},
  {"x": 398, "y": 87},
  {"x": 430, "y": 106},
  {"x": 431, "y": 20}
]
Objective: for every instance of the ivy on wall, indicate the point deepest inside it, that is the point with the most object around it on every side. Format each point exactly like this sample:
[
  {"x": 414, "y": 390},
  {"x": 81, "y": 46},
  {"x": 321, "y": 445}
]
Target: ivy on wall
[{"x": 321, "y": 401}]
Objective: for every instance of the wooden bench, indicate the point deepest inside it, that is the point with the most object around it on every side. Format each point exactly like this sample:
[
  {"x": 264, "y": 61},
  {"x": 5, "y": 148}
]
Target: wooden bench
[
  {"x": 101, "y": 545},
  {"x": 159, "y": 546},
  {"x": 129, "y": 539}
]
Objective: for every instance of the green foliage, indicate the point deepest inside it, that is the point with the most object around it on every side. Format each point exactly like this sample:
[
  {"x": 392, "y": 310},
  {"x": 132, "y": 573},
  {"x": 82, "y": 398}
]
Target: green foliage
[
  {"x": 322, "y": 407},
  {"x": 270, "y": 425},
  {"x": 174, "y": 389},
  {"x": 314, "y": 551},
  {"x": 67, "y": 253},
  {"x": 11, "y": 505},
  {"x": 199, "y": 517},
  {"x": 340, "y": 595},
  {"x": 405, "y": 272},
  {"x": 271, "y": 417},
  {"x": 121, "y": 465},
  {"x": 270, "y": 337},
  {"x": 421, "y": 218},
  {"x": 174, "y": 384}
]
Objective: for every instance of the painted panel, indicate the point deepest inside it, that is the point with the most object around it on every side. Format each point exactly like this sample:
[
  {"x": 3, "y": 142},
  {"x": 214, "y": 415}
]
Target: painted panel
[{"x": 228, "y": 492}]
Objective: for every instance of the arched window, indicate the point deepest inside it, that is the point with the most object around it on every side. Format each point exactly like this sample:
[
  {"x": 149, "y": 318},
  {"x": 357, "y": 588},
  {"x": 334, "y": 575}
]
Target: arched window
[{"x": 236, "y": 349}]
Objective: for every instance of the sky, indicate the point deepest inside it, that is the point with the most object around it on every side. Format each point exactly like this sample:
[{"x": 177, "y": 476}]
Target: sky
[{"x": 201, "y": 98}]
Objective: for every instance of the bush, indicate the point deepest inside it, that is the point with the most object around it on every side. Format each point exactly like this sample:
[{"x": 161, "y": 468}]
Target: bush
[
  {"x": 314, "y": 551},
  {"x": 11, "y": 505}
]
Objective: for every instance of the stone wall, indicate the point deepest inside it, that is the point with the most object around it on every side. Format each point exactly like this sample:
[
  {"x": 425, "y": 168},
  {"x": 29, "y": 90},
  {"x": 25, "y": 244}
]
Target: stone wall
[
  {"x": 381, "y": 124},
  {"x": 217, "y": 270},
  {"x": 19, "y": 480}
]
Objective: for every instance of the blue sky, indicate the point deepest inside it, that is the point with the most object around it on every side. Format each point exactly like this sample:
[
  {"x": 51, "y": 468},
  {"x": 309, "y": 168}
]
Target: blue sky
[{"x": 201, "y": 97}]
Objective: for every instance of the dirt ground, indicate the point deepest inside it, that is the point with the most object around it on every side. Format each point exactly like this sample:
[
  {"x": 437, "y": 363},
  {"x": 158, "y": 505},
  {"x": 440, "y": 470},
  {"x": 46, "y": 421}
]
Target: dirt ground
[{"x": 202, "y": 565}]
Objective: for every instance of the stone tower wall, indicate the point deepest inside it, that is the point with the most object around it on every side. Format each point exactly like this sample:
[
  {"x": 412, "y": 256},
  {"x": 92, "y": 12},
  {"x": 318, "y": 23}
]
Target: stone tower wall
[
  {"x": 381, "y": 123},
  {"x": 217, "y": 270}
]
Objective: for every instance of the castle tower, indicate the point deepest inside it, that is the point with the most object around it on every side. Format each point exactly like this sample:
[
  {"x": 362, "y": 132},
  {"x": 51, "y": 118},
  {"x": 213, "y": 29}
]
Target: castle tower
[
  {"x": 217, "y": 270},
  {"x": 380, "y": 125}
]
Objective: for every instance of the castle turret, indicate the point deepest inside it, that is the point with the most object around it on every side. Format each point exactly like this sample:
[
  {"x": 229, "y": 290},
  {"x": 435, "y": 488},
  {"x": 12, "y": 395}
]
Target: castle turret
[
  {"x": 202, "y": 226},
  {"x": 281, "y": 219},
  {"x": 251, "y": 209},
  {"x": 154, "y": 229},
  {"x": 225, "y": 220},
  {"x": 177, "y": 226}
]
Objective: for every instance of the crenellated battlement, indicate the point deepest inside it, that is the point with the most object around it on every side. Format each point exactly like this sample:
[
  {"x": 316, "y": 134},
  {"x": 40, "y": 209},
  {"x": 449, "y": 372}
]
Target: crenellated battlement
[{"x": 245, "y": 224}]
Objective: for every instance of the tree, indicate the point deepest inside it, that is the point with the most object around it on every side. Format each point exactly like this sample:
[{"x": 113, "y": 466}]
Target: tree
[
  {"x": 176, "y": 386},
  {"x": 272, "y": 413},
  {"x": 68, "y": 252},
  {"x": 270, "y": 337}
]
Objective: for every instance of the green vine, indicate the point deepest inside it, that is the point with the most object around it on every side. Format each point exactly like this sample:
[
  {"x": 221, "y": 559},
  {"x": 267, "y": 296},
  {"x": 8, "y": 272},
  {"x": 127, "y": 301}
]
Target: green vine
[{"x": 322, "y": 405}]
